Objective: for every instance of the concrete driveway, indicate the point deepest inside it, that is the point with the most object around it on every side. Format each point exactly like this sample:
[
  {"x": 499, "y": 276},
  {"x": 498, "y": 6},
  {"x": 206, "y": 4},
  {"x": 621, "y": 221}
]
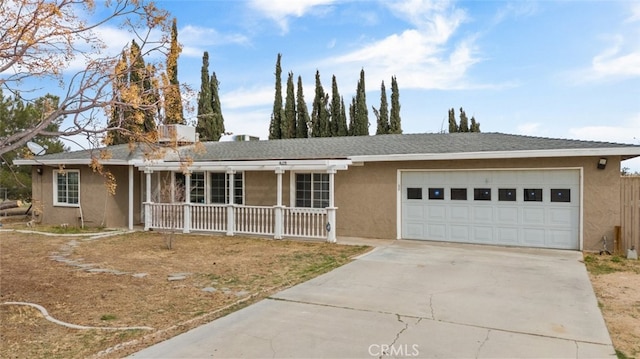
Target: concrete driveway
[{"x": 415, "y": 299}]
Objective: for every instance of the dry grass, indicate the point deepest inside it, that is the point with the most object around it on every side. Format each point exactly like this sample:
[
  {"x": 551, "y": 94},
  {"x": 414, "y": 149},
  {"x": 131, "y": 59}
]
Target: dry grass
[
  {"x": 238, "y": 268},
  {"x": 616, "y": 282}
]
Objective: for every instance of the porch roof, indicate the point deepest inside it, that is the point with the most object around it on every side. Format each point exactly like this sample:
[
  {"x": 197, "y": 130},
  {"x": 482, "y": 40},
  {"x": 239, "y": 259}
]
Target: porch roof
[{"x": 427, "y": 146}]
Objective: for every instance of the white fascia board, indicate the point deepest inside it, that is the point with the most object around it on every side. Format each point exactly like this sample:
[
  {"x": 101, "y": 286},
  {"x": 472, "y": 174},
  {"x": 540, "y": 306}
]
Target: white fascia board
[
  {"x": 79, "y": 161},
  {"x": 582, "y": 152},
  {"x": 272, "y": 165}
]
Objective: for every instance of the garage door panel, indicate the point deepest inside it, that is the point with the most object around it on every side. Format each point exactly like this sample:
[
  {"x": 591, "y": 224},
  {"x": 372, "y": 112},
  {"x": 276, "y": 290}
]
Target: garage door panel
[
  {"x": 507, "y": 236},
  {"x": 507, "y": 215},
  {"x": 436, "y": 213},
  {"x": 460, "y": 213},
  {"x": 460, "y": 233},
  {"x": 502, "y": 220},
  {"x": 437, "y": 232},
  {"x": 533, "y": 237},
  {"x": 533, "y": 216},
  {"x": 483, "y": 234},
  {"x": 483, "y": 214},
  {"x": 559, "y": 239}
]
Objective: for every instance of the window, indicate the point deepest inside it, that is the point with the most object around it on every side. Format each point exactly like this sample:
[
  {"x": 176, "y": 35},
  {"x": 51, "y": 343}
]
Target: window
[
  {"x": 66, "y": 188},
  {"x": 482, "y": 194},
  {"x": 561, "y": 195},
  {"x": 458, "y": 194},
  {"x": 197, "y": 187},
  {"x": 533, "y": 195},
  {"x": 436, "y": 193},
  {"x": 219, "y": 183},
  {"x": 414, "y": 193},
  {"x": 312, "y": 190},
  {"x": 507, "y": 194}
]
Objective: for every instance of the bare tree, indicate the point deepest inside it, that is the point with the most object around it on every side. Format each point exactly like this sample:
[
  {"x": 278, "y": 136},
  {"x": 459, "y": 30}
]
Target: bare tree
[{"x": 45, "y": 39}]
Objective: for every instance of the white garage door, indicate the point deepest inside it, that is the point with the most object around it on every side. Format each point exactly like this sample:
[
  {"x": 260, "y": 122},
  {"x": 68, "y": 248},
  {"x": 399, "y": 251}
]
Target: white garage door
[{"x": 530, "y": 208}]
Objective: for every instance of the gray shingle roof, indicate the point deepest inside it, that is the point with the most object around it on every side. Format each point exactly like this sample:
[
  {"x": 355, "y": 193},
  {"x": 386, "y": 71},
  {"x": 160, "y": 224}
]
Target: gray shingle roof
[
  {"x": 347, "y": 147},
  {"x": 344, "y": 147}
]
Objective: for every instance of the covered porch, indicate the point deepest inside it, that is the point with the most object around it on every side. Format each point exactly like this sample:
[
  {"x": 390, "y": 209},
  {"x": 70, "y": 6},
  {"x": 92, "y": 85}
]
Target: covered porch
[{"x": 188, "y": 213}]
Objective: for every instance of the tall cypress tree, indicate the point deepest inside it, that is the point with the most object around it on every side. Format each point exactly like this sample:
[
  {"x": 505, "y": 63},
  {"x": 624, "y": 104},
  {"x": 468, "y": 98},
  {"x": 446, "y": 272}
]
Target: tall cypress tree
[
  {"x": 302, "y": 115},
  {"x": 453, "y": 125},
  {"x": 382, "y": 115},
  {"x": 172, "y": 99},
  {"x": 352, "y": 117},
  {"x": 395, "y": 122},
  {"x": 288, "y": 125},
  {"x": 120, "y": 85},
  {"x": 319, "y": 112},
  {"x": 338, "y": 123},
  {"x": 361, "y": 122},
  {"x": 464, "y": 122},
  {"x": 275, "y": 127},
  {"x": 475, "y": 126},
  {"x": 205, "y": 126},
  {"x": 343, "y": 130},
  {"x": 216, "y": 107}
]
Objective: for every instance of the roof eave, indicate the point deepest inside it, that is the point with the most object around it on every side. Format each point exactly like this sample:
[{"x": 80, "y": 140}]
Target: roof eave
[{"x": 625, "y": 152}]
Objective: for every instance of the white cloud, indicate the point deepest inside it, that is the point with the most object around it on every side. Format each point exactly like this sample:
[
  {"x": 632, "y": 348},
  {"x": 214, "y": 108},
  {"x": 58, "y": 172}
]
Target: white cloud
[
  {"x": 248, "y": 97},
  {"x": 421, "y": 56},
  {"x": 627, "y": 132},
  {"x": 529, "y": 129},
  {"x": 193, "y": 38},
  {"x": 281, "y": 10}
]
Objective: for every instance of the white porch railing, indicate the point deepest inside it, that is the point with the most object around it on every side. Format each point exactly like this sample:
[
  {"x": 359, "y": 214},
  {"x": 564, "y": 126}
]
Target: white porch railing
[
  {"x": 208, "y": 217},
  {"x": 166, "y": 215},
  {"x": 255, "y": 220},
  {"x": 305, "y": 222}
]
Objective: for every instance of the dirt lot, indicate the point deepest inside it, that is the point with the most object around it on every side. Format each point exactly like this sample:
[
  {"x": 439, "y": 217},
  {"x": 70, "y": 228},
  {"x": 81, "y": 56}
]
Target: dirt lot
[
  {"x": 616, "y": 282},
  {"x": 134, "y": 280}
]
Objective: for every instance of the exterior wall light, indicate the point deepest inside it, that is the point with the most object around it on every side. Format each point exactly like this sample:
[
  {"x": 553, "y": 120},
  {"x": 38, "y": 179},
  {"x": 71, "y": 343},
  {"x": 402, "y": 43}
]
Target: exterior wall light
[{"x": 602, "y": 163}]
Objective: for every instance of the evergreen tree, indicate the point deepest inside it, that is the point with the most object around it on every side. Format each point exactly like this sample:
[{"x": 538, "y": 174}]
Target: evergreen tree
[
  {"x": 319, "y": 112},
  {"x": 172, "y": 99},
  {"x": 288, "y": 125},
  {"x": 475, "y": 126},
  {"x": 361, "y": 121},
  {"x": 218, "y": 119},
  {"x": 17, "y": 113},
  {"x": 464, "y": 122},
  {"x": 275, "y": 127},
  {"x": 302, "y": 114},
  {"x": 343, "y": 130},
  {"x": 352, "y": 117},
  {"x": 382, "y": 115},
  {"x": 135, "y": 121},
  {"x": 395, "y": 122},
  {"x": 453, "y": 125},
  {"x": 205, "y": 126},
  {"x": 338, "y": 121}
]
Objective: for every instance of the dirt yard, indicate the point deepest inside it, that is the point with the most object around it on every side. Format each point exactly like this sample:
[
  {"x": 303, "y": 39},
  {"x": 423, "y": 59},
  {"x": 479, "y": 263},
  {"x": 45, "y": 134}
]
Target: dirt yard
[
  {"x": 133, "y": 280},
  {"x": 616, "y": 282}
]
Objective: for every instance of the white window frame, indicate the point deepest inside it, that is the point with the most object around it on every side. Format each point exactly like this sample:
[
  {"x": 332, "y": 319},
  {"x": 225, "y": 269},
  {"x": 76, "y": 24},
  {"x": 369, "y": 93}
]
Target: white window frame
[
  {"x": 56, "y": 202},
  {"x": 293, "y": 188},
  {"x": 209, "y": 187}
]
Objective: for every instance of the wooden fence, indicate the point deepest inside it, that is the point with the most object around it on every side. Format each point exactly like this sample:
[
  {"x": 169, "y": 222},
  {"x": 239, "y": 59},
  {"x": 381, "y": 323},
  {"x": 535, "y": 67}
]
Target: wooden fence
[{"x": 630, "y": 211}]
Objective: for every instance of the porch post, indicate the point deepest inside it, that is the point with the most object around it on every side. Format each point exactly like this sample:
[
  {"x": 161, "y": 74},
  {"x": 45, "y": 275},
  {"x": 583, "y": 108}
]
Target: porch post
[
  {"x": 230, "y": 206},
  {"x": 130, "y": 218},
  {"x": 186, "y": 222},
  {"x": 331, "y": 210},
  {"x": 279, "y": 208},
  {"x": 147, "y": 203}
]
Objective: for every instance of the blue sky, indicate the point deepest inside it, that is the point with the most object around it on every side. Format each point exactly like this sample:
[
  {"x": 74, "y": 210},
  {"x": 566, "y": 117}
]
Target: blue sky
[{"x": 566, "y": 69}]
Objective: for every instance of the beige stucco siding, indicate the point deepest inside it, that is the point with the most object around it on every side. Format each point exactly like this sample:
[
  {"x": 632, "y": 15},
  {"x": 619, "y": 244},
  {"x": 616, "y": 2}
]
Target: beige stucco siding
[
  {"x": 97, "y": 207},
  {"x": 366, "y": 196}
]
